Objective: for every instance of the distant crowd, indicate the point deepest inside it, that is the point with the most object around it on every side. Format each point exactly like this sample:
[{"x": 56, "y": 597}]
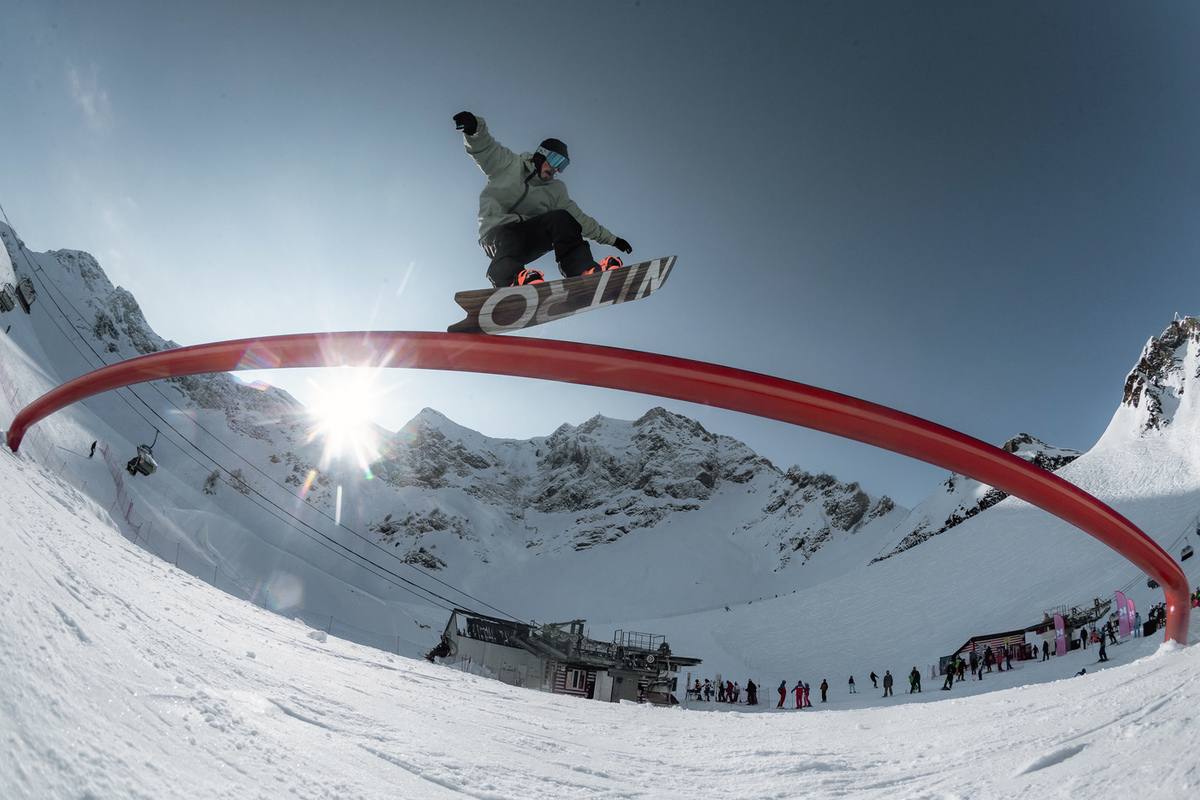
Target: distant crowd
[{"x": 978, "y": 661}]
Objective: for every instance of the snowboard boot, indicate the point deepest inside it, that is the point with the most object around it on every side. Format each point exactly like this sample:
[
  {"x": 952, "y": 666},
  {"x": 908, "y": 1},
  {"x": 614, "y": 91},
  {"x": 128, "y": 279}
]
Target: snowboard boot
[
  {"x": 606, "y": 263},
  {"x": 529, "y": 276}
]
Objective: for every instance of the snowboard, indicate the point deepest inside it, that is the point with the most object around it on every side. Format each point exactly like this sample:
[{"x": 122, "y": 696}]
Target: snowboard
[{"x": 513, "y": 308}]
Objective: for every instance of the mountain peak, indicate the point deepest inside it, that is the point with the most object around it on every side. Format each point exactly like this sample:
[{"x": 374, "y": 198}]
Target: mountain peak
[{"x": 1155, "y": 396}]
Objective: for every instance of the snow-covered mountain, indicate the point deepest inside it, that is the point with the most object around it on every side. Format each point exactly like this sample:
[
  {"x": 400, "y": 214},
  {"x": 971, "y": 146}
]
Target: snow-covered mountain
[
  {"x": 965, "y": 497},
  {"x": 546, "y": 514}
]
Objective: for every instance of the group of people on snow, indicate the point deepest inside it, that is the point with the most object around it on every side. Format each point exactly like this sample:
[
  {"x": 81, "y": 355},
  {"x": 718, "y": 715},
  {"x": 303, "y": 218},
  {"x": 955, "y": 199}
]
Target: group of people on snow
[
  {"x": 978, "y": 661},
  {"x": 724, "y": 691}
]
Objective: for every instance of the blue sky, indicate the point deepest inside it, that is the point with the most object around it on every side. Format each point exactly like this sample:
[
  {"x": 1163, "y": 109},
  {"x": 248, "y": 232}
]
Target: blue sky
[{"x": 976, "y": 213}]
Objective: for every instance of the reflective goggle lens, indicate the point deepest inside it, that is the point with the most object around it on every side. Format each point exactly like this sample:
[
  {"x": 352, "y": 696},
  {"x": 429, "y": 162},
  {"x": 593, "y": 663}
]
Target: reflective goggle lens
[{"x": 556, "y": 160}]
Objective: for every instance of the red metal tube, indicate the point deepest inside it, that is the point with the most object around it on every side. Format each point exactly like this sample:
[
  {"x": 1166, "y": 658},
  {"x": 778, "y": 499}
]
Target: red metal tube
[{"x": 663, "y": 376}]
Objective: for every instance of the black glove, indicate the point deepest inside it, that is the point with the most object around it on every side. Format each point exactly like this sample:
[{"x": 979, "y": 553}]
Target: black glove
[
  {"x": 465, "y": 121},
  {"x": 623, "y": 245}
]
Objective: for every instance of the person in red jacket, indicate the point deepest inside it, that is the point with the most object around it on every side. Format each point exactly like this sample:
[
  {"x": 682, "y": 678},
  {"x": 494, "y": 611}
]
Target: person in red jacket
[
  {"x": 799, "y": 690},
  {"x": 782, "y": 693}
]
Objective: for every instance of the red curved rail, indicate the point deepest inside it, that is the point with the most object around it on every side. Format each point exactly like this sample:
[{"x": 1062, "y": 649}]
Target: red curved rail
[{"x": 664, "y": 376}]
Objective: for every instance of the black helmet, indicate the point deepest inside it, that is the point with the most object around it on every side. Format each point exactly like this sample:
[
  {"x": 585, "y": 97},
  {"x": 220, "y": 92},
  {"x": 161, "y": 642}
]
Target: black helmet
[{"x": 554, "y": 151}]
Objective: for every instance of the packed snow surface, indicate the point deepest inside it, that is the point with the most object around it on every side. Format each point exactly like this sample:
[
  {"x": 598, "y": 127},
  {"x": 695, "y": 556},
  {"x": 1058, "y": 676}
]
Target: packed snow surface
[{"x": 126, "y": 677}]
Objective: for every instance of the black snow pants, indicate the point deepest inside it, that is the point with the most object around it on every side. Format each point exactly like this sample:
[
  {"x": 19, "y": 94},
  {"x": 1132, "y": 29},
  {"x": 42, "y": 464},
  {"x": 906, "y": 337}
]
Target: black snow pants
[{"x": 514, "y": 245}]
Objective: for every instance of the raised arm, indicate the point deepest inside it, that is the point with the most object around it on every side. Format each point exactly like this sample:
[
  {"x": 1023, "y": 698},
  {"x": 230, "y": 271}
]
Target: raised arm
[{"x": 491, "y": 156}]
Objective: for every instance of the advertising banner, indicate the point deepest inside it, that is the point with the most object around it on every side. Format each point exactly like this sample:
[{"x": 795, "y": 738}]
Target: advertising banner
[
  {"x": 1060, "y": 636},
  {"x": 1132, "y": 613},
  {"x": 1123, "y": 620}
]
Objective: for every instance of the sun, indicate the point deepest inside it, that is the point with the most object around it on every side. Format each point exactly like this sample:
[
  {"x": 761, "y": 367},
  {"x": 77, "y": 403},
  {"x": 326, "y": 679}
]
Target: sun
[{"x": 343, "y": 415}]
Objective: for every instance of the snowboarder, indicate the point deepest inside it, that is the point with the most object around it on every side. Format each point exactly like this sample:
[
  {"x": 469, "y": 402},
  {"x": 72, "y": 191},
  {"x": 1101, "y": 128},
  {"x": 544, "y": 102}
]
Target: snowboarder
[
  {"x": 914, "y": 681},
  {"x": 949, "y": 682},
  {"x": 962, "y": 670},
  {"x": 751, "y": 693},
  {"x": 93, "y": 450},
  {"x": 707, "y": 690},
  {"x": 1103, "y": 652},
  {"x": 852, "y": 689},
  {"x": 782, "y": 693},
  {"x": 1045, "y": 649},
  {"x": 887, "y": 683},
  {"x": 720, "y": 691},
  {"x": 525, "y": 213},
  {"x": 1112, "y": 634},
  {"x": 874, "y": 680},
  {"x": 1083, "y": 638},
  {"x": 729, "y": 697},
  {"x": 799, "y": 690},
  {"x": 824, "y": 689}
]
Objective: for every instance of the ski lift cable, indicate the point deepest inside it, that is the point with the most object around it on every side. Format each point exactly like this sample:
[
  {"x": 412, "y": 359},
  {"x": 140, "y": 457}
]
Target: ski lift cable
[
  {"x": 44, "y": 279},
  {"x": 451, "y": 603}
]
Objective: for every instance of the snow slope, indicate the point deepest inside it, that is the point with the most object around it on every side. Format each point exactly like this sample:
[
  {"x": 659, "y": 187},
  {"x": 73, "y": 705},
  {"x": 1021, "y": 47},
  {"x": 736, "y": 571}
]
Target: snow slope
[{"x": 124, "y": 677}]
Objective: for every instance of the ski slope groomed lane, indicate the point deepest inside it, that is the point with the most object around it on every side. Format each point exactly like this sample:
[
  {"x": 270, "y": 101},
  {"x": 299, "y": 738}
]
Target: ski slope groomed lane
[{"x": 122, "y": 677}]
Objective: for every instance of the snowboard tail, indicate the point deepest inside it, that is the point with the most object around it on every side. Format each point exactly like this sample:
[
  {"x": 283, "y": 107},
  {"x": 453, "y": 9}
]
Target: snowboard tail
[{"x": 512, "y": 308}]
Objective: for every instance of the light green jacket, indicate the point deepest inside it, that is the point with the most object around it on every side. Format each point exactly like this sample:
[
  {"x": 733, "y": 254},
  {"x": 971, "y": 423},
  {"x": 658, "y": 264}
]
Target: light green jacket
[{"x": 509, "y": 197}]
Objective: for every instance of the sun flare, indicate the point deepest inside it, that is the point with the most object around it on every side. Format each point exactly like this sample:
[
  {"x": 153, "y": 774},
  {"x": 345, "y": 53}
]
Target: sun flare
[{"x": 343, "y": 416}]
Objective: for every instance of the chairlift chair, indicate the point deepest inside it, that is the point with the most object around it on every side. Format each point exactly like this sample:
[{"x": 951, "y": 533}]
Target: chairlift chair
[
  {"x": 25, "y": 293},
  {"x": 1186, "y": 554},
  {"x": 144, "y": 461},
  {"x": 8, "y": 299}
]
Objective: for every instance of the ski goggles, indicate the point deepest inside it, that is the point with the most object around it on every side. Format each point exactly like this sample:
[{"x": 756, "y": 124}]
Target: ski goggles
[{"x": 556, "y": 160}]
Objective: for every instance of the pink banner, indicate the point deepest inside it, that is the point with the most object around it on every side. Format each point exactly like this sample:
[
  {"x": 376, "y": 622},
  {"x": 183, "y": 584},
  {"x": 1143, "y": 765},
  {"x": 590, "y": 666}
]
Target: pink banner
[
  {"x": 1132, "y": 613},
  {"x": 1060, "y": 636},
  {"x": 1123, "y": 621}
]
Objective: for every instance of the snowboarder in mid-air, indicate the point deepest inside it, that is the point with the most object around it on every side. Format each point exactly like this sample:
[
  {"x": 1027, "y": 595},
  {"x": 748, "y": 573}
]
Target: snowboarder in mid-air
[{"x": 525, "y": 213}]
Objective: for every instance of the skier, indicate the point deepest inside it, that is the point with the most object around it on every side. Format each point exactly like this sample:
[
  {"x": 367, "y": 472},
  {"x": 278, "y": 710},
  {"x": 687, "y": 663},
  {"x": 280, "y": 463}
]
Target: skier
[
  {"x": 962, "y": 670},
  {"x": 729, "y": 696},
  {"x": 782, "y": 693},
  {"x": 949, "y": 682},
  {"x": 799, "y": 690},
  {"x": 1112, "y": 635},
  {"x": 807, "y": 696},
  {"x": 525, "y": 213},
  {"x": 914, "y": 681},
  {"x": 720, "y": 691},
  {"x": 1045, "y": 650},
  {"x": 874, "y": 680},
  {"x": 751, "y": 693},
  {"x": 707, "y": 691},
  {"x": 92, "y": 452},
  {"x": 887, "y": 682},
  {"x": 1103, "y": 652},
  {"x": 824, "y": 689},
  {"x": 852, "y": 689}
]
